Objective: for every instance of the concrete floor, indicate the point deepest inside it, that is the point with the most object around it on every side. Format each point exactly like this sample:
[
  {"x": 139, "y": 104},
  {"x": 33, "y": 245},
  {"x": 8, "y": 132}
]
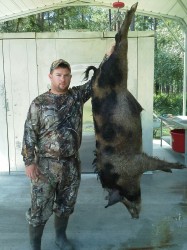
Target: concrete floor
[{"x": 162, "y": 223}]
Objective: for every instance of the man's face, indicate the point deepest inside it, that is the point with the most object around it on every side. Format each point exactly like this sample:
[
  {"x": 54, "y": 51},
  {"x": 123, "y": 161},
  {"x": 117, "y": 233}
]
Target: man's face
[{"x": 60, "y": 80}]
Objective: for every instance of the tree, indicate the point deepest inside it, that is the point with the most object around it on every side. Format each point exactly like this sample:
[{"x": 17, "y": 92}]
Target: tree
[
  {"x": 168, "y": 54},
  {"x": 79, "y": 17},
  {"x": 168, "y": 60}
]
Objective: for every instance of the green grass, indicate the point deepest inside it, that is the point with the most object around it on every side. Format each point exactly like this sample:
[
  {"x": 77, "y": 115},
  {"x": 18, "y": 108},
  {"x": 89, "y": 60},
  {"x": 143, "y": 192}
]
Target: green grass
[
  {"x": 165, "y": 132},
  {"x": 87, "y": 117}
]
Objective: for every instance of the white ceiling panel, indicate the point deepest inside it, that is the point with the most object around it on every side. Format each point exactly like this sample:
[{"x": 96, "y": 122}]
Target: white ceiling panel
[{"x": 12, "y": 9}]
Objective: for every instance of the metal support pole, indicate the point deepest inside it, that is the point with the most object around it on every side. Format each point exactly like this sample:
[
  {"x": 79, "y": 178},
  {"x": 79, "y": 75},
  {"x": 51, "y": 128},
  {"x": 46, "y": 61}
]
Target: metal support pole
[
  {"x": 110, "y": 19},
  {"x": 185, "y": 72}
]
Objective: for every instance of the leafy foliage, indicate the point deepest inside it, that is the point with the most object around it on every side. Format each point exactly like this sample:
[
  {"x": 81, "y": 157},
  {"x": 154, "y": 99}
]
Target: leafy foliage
[
  {"x": 168, "y": 60},
  {"x": 168, "y": 53},
  {"x": 168, "y": 104},
  {"x": 79, "y": 17}
]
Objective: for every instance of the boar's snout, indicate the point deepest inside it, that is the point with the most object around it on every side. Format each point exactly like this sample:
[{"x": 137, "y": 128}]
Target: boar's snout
[
  {"x": 133, "y": 207},
  {"x": 134, "y": 212}
]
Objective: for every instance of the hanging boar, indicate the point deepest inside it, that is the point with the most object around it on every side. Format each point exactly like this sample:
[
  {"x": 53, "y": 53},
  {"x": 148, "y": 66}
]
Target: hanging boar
[{"x": 120, "y": 161}]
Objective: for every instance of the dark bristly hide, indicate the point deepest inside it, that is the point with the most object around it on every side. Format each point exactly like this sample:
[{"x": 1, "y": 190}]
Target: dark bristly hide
[{"x": 120, "y": 161}]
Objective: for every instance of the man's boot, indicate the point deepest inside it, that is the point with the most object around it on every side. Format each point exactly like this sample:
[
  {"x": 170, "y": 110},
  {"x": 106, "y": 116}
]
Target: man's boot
[
  {"x": 35, "y": 234},
  {"x": 60, "y": 228}
]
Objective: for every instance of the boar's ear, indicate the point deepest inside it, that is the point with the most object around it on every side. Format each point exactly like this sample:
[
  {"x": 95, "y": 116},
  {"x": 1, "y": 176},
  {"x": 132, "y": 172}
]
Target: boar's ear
[{"x": 113, "y": 197}]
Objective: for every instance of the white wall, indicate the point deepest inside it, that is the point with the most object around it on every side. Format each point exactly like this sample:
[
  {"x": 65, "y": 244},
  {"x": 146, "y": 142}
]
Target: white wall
[
  {"x": 4, "y": 162},
  {"x": 24, "y": 66}
]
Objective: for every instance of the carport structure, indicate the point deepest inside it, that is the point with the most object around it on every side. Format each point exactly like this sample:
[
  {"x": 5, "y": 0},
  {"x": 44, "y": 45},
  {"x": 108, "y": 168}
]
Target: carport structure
[
  {"x": 172, "y": 9},
  {"x": 163, "y": 219}
]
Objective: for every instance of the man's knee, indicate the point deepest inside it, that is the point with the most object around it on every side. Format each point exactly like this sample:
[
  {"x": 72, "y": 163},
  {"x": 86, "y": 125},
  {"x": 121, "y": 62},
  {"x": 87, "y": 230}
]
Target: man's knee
[
  {"x": 63, "y": 211},
  {"x": 36, "y": 220}
]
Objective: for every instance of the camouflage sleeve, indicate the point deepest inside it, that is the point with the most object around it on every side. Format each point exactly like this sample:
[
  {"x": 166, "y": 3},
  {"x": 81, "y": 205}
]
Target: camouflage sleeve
[
  {"x": 85, "y": 91},
  {"x": 30, "y": 136}
]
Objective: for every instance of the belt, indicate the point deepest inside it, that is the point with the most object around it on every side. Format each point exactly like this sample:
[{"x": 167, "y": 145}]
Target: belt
[{"x": 59, "y": 158}]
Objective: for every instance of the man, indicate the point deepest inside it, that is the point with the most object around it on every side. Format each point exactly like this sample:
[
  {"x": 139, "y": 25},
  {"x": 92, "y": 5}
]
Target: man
[{"x": 52, "y": 138}]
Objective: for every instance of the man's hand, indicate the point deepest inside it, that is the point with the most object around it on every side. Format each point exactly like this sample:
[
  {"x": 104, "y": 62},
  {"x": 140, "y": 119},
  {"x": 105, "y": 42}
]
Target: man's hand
[
  {"x": 32, "y": 171},
  {"x": 111, "y": 50}
]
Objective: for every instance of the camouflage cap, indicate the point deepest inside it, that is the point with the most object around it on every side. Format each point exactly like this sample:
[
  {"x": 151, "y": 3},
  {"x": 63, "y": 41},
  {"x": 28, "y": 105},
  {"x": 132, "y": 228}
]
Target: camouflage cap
[{"x": 58, "y": 63}]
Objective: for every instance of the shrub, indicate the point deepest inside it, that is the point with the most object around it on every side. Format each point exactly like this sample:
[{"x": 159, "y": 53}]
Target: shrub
[{"x": 168, "y": 104}]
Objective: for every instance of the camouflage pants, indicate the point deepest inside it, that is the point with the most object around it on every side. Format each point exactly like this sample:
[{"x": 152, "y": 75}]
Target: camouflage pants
[{"x": 55, "y": 190}]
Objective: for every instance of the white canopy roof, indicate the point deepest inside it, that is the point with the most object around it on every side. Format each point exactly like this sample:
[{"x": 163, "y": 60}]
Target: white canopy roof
[{"x": 175, "y": 9}]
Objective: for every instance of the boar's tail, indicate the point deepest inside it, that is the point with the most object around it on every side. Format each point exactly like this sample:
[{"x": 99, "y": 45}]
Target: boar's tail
[
  {"x": 149, "y": 163},
  {"x": 87, "y": 71}
]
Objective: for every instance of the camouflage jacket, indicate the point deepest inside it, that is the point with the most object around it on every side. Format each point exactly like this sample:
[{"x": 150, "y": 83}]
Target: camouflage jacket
[{"x": 53, "y": 126}]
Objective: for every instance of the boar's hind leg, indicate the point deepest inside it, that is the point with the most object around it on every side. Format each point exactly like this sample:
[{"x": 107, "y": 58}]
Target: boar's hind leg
[
  {"x": 148, "y": 163},
  {"x": 128, "y": 18}
]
